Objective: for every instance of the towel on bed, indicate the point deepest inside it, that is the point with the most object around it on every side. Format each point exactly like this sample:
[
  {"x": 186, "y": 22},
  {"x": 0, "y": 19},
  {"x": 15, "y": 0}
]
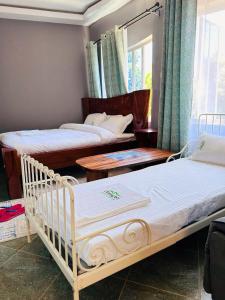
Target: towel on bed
[
  {"x": 91, "y": 205},
  {"x": 28, "y": 132},
  {"x": 100, "y": 203}
]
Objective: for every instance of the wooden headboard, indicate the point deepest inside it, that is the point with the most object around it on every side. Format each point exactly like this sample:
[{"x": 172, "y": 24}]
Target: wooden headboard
[{"x": 136, "y": 103}]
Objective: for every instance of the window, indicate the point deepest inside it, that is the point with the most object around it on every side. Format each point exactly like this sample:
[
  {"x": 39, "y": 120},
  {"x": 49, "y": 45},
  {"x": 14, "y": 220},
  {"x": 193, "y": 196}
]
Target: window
[
  {"x": 209, "y": 81},
  {"x": 209, "y": 73},
  {"x": 140, "y": 66}
]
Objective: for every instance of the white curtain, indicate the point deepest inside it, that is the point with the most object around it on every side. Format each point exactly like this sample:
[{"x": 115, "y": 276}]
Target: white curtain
[{"x": 209, "y": 74}]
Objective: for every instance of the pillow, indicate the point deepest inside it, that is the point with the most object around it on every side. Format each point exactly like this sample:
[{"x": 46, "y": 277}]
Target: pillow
[
  {"x": 95, "y": 119},
  {"x": 210, "y": 149},
  {"x": 117, "y": 124}
]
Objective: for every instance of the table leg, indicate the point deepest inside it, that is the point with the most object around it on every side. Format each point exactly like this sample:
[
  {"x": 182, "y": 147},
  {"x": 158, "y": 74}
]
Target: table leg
[{"x": 93, "y": 175}]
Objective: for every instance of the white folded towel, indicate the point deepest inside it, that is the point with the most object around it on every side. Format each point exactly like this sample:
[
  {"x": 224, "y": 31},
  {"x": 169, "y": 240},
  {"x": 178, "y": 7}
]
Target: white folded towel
[
  {"x": 91, "y": 205},
  {"x": 28, "y": 132},
  {"x": 100, "y": 203}
]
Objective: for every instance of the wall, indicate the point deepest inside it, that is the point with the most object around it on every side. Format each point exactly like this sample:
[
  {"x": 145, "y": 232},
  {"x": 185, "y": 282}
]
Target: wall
[
  {"x": 42, "y": 74},
  {"x": 142, "y": 29}
]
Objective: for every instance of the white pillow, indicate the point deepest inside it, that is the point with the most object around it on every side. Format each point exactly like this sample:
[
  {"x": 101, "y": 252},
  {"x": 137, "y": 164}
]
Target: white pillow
[
  {"x": 210, "y": 149},
  {"x": 117, "y": 123},
  {"x": 95, "y": 119}
]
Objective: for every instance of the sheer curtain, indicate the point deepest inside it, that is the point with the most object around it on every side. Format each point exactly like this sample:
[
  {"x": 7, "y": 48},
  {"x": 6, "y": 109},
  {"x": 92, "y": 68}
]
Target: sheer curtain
[{"x": 209, "y": 72}]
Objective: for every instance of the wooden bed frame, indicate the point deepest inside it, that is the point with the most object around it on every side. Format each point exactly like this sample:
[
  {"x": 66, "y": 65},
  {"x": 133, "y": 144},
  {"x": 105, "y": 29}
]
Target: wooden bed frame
[{"x": 136, "y": 103}]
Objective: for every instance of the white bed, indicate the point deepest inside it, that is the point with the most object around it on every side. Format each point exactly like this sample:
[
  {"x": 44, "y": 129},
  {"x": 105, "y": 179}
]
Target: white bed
[
  {"x": 180, "y": 193},
  {"x": 66, "y": 137},
  {"x": 185, "y": 195}
]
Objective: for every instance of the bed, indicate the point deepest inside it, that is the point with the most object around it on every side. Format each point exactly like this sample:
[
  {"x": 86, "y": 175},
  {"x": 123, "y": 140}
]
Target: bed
[
  {"x": 58, "y": 154},
  {"x": 88, "y": 252}
]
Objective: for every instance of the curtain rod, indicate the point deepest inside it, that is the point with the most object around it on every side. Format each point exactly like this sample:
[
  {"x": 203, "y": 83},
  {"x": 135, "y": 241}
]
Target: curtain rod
[{"x": 155, "y": 9}]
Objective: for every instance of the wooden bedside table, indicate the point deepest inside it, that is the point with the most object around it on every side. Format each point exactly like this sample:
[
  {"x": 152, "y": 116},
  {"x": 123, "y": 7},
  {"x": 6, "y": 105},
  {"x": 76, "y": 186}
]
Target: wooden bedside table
[{"x": 146, "y": 137}]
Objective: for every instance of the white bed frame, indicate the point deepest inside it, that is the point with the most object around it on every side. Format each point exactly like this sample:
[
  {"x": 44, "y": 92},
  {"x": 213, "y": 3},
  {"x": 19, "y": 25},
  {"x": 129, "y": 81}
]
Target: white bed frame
[{"x": 39, "y": 181}]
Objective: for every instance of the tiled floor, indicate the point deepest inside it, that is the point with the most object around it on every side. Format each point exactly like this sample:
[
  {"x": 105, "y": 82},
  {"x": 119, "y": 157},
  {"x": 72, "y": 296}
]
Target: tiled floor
[{"x": 27, "y": 272}]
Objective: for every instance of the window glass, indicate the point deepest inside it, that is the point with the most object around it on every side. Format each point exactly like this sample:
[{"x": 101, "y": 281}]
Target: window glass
[
  {"x": 147, "y": 84},
  {"x": 140, "y": 67},
  {"x": 137, "y": 73},
  {"x": 130, "y": 71},
  {"x": 209, "y": 87},
  {"x": 209, "y": 74}
]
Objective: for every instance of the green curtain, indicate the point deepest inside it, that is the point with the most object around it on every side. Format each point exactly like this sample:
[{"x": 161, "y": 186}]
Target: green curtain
[
  {"x": 114, "y": 59},
  {"x": 93, "y": 71},
  {"x": 177, "y": 73}
]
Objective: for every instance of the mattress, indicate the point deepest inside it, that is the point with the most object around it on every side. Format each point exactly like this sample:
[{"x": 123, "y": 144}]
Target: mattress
[
  {"x": 66, "y": 137},
  {"x": 180, "y": 193}
]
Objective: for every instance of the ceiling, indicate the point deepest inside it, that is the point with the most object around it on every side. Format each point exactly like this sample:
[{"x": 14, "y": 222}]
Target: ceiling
[
  {"x": 76, "y": 6},
  {"x": 77, "y": 12}
]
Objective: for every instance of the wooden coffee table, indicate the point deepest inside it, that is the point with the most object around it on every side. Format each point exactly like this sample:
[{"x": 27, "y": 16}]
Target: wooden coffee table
[{"x": 98, "y": 166}]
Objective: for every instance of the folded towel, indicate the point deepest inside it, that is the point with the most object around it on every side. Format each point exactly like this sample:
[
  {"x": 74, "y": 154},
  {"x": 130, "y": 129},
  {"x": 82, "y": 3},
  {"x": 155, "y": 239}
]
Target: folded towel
[
  {"x": 91, "y": 205},
  {"x": 28, "y": 132},
  {"x": 97, "y": 204}
]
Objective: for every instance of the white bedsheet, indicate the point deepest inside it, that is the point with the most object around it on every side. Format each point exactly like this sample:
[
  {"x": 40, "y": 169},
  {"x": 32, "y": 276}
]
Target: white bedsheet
[
  {"x": 180, "y": 192},
  {"x": 67, "y": 136}
]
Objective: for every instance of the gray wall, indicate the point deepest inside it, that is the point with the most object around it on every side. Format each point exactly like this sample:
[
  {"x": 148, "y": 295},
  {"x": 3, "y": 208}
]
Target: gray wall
[
  {"x": 42, "y": 74},
  {"x": 149, "y": 25}
]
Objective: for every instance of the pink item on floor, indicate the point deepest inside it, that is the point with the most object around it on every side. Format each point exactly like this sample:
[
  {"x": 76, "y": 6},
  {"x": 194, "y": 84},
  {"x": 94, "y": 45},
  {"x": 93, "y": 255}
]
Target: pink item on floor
[{"x": 8, "y": 213}]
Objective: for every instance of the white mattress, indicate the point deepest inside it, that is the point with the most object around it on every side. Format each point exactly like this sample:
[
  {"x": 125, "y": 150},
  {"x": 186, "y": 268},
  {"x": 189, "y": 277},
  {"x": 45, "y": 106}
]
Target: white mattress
[
  {"x": 67, "y": 136},
  {"x": 181, "y": 192}
]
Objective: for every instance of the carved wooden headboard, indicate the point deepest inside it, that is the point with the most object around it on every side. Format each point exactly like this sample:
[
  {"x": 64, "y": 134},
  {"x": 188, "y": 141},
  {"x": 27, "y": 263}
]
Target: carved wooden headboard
[{"x": 136, "y": 103}]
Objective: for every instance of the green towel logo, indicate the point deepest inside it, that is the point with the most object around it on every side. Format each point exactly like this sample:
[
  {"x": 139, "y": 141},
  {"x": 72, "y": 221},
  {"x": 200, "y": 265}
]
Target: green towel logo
[{"x": 112, "y": 194}]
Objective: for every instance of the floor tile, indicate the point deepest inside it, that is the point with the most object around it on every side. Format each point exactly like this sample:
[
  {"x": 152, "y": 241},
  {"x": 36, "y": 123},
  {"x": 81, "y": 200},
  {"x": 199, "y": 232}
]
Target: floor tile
[
  {"x": 75, "y": 171},
  {"x": 134, "y": 291},
  {"x": 16, "y": 243},
  {"x": 123, "y": 273},
  {"x": 108, "y": 288},
  {"x": 25, "y": 277},
  {"x": 60, "y": 289},
  {"x": 36, "y": 247},
  {"x": 5, "y": 254},
  {"x": 174, "y": 270}
]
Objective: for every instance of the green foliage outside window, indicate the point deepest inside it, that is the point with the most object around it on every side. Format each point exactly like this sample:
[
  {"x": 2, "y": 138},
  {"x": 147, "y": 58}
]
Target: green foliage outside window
[{"x": 148, "y": 85}]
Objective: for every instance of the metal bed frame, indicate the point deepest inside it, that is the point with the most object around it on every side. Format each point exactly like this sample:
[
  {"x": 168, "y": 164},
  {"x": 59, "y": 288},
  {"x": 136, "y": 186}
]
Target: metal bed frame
[
  {"x": 39, "y": 182},
  {"x": 211, "y": 123}
]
